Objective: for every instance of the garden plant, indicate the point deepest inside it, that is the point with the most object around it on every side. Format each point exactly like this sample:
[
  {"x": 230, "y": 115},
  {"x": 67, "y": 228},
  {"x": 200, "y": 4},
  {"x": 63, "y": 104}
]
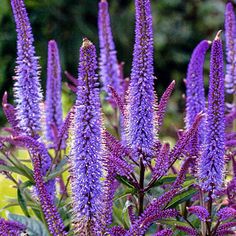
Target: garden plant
[{"x": 103, "y": 169}]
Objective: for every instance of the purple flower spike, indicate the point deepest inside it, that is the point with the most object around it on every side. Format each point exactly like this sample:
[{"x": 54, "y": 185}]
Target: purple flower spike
[
  {"x": 27, "y": 89},
  {"x": 195, "y": 97},
  {"x": 226, "y": 213},
  {"x": 144, "y": 222},
  {"x": 86, "y": 169},
  {"x": 230, "y": 34},
  {"x": 141, "y": 125},
  {"x": 53, "y": 219},
  {"x": 188, "y": 230},
  {"x": 109, "y": 67},
  {"x": 162, "y": 106},
  {"x": 212, "y": 161},
  {"x": 37, "y": 148},
  {"x": 162, "y": 161},
  {"x": 164, "y": 232},
  {"x": 11, "y": 228},
  {"x": 201, "y": 212},
  {"x": 53, "y": 95}
]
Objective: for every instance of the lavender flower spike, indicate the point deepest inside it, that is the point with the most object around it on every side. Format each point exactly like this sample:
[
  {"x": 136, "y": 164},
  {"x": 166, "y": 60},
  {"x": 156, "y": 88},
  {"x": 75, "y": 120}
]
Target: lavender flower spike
[
  {"x": 195, "y": 98},
  {"x": 86, "y": 169},
  {"x": 27, "y": 90},
  {"x": 141, "y": 125},
  {"x": 109, "y": 67},
  {"x": 53, "y": 94},
  {"x": 230, "y": 34},
  {"x": 212, "y": 160},
  {"x": 11, "y": 228}
]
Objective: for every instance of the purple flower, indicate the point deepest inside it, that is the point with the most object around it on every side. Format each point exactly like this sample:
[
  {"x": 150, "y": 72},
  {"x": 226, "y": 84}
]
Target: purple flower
[
  {"x": 226, "y": 226},
  {"x": 37, "y": 148},
  {"x": 141, "y": 226},
  {"x": 53, "y": 219},
  {"x": 188, "y": 230},
  {"x": 212, "y": 160},
  {"x": 10, "y": 113},
  {"x": 201, "y": 212},
  {"x": 109, "y": 67},
  {"x": 53, "y": 106},
  {"x": 141, "y": 125},
  {"x": 226, "y": 213},
  {"x": 185, "y": 139},
  {"x": 27, "y": 89},
  {"x": 195, "y": 97},
  {"x": 11, "y": 228},
  {"x": 162, "y": 161},
  {"x": 164, "y": 232},
  {"x": 230, "y": 34},
  {"x": 162, "y": 106},
  {"x": 86, "y": 169}
]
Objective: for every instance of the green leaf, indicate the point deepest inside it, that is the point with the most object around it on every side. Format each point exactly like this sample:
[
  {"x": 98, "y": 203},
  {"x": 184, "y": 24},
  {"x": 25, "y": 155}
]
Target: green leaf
[
  {"x": 124, "y": 180},
  {"x": 126, "y": 193},
  {"x": 22, "y": 202},
  {"x": 34, "y": 227},
  {"x": 182, "y": 197},
  {"x": 170, "y": 179}
]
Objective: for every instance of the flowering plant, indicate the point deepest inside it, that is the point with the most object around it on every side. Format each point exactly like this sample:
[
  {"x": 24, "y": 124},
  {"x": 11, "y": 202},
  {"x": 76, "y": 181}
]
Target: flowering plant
[{"x": 88, "y": 178}]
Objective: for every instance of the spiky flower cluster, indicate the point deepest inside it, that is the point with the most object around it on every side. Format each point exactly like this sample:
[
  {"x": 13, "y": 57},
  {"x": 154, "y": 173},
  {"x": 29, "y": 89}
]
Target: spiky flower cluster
[
  {"x": 124, "y": 179},
  {"x": 212, "y": 160},
  {"x": 86, "y": 169},
  {"x": 141, "y": 95},
  {"x": 27, "y": 87},
  {"x": 230, "y": 33},
  {"x": 109, "y": 67},
  {"x": 53, "y": 106}
]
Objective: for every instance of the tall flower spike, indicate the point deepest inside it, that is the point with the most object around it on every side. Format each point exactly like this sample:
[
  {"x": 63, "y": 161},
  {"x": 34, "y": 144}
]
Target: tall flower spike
[
  {"x": 109, "y": 67},
  {"x": 211, "y": 170},
  {"x": 27, "y": 89},
  {"x": 53, "y": 95},
  {"x": 230, "y": 34},
  {"x": 195, "y": 97},
  {"x": 86, "y": 169},
  {"x": 141, "y": 90}
]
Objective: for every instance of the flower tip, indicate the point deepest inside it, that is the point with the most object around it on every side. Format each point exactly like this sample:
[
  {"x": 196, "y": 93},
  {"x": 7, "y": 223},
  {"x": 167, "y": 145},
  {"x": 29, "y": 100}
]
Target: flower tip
[
  {"x": 209, "y": 42},
  {"x": 217, "y": 37},
  {"x": 229, "y": 6},
  {"x": 103, "y": 0},
  {"x": 52, "y": 41},
  {"x": 4, "y": 99},
  {"x": 86, "y": 43}
]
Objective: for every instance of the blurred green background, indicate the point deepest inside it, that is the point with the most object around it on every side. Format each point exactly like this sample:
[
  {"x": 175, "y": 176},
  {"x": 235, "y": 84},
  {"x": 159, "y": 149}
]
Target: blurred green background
[{"x": 179, "y": 25}]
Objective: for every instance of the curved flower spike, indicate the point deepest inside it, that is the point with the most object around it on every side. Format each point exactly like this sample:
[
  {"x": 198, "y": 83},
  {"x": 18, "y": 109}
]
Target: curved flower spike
[
  {"x": 211, "y": 170},
  {"x": 11, "y": 228},
  {"x": 195, "y": 98},
  {"x": 27, "y": 89},
  {"x": 201, "y": 212},
  {"x": 226, "y": 213}
]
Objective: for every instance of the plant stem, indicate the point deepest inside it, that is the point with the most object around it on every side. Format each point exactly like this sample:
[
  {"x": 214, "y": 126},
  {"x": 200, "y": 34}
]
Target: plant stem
[
  {"x": 141, "y": 187},
  {"x": 209, "y": 207},
  {"x": 203, "y": 224}
]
